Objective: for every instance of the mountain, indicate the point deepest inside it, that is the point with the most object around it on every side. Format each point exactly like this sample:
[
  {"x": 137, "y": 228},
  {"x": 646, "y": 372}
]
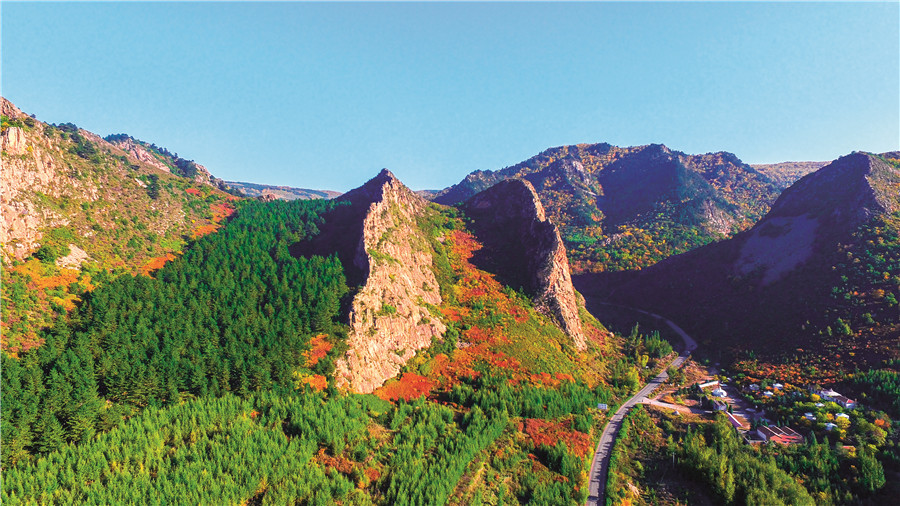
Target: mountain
[
  {"x": 785, "y": 173},
  {"x": 164, "y": 160},
  {"x": 280, "y": 192},
  {"x": 627, "y": 208},
  {"x": 820, "y": 272},
  {"x": 77, "y": 209},
  {"x": 382, "y": 233},
  {"x": 367, "y": 344}
]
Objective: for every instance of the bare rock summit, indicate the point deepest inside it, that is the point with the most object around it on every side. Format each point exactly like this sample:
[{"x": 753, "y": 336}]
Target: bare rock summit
[
  {"x": 389, "y": 317},
  {"x": 525, "y": 250}
]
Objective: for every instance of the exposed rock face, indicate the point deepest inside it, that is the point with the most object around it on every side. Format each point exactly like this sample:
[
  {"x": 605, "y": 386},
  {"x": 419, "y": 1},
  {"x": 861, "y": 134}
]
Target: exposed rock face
[
  {"x": 28, "y": 167},
  {"x": 389, "y": 319},
  {"x": 525, "y": 250},
  {"x": 140, "y": 153}
]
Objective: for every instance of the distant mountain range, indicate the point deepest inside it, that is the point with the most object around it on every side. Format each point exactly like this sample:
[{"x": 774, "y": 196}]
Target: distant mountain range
[
  {"x": 280, "y": 192},
  {"x": 627, "y": 208},
  {"x": 821, "y": 271}
]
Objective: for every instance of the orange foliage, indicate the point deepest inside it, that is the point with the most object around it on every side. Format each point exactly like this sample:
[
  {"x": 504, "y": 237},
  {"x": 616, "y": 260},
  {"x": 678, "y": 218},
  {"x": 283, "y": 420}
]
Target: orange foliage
[
  {"x": 65, "y": 278},
  {"x": 318, "y": 349},
  {"x": 547, "y": 432},
  {"x": 316, "y": 381},
  {"x": 156, "y": 264},
  {"x": 340, "y": 464},
  {"x": 221, "y": 211},
  {"x": 193, "y": 191},
  {"x": 372, "y": 474},
  {"x": 204, "y": 230},
  {"x": 409, "y": 386}
]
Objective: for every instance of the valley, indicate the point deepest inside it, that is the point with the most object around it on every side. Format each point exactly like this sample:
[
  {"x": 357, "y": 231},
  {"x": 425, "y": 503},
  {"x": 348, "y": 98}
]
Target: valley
[{"x": 169, "y": 336}]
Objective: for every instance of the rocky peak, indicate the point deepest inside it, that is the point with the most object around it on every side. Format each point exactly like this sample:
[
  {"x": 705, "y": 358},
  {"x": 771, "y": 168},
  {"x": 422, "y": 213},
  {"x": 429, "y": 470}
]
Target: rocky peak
[
  {"x": 819, "y": 209},
  {"x": 525, "y": 250},
  {"x": 9, "y": 109},
  {"x": 845, "y": 192},
  {"x": 389, "y": 317}
]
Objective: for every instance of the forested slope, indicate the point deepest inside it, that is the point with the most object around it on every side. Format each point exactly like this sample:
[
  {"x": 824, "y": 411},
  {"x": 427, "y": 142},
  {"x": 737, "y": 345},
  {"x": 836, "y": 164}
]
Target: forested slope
[{"x": 214, "y": 377}]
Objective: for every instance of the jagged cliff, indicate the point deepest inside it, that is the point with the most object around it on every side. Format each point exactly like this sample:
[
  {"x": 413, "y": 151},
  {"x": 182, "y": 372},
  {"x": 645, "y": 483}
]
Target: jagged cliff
[
  {"x": 525, "y": 250},
  {"x": 389, "y": 317},
  {"x": 63, "y": 176}
]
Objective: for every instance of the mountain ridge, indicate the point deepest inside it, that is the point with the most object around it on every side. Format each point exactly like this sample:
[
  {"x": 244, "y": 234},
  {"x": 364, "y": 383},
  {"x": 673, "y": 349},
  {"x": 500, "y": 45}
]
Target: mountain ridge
[{"x": 649, "y": 200}]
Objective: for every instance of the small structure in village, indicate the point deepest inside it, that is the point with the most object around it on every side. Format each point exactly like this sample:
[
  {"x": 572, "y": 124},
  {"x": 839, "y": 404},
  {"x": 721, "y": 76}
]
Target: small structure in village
[{"x": 780, "y": 435}]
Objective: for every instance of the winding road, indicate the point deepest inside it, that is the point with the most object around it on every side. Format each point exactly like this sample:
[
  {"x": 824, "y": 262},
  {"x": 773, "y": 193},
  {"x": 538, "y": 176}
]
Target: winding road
[{"x": 600, "y": 465}]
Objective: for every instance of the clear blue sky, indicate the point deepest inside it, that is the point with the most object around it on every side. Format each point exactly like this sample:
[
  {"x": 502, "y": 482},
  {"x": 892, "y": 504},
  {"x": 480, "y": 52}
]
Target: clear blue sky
[{"x": 324, "y": 95}]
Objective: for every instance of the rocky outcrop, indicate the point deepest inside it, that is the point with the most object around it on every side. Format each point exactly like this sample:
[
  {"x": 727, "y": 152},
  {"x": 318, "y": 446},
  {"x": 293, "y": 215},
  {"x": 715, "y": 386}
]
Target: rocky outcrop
[
  {"x": 524, "y": 249},
  {"x": 28, "y": 167},
  {"x": 389, "y": 316},
  {"x": 139, "y": 153}
]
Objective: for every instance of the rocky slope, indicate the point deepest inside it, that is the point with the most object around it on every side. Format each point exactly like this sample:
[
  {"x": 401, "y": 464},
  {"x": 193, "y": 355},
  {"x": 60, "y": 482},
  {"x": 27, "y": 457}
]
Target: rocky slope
[
  {"x": 389, "y": 316},
  {"x": 280, "y": 192},
  {"x": 69, "y": 197},
  {"x": 825, "y": 256},
  {"x": 625, "y": 208},
  {"x": 164, "y": 160},
  {"x": 525, "y": 250}
]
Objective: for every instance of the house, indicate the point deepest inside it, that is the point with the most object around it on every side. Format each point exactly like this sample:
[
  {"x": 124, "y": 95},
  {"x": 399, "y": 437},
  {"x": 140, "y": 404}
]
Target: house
[
  {"x": 845, "y": 401},
  {"x": 708, "y": 384},
  {"x": 820, "y": 405},
  {"x": 720, "y": 405},
  {"x": 768, "y": 394},
  {"x": 754, "y": 387},
  {"x": 828, "y": 394},
  {"x": 736, "y": 422},
  {"x": 777, "y": 386},
  {"x": 842, "y": 415},
  {"x": 830, "y": 426},
  {"x": 780, "y": 435},
  {"x": 809, "y": 416},
  {"x": 720, "y": 393}
]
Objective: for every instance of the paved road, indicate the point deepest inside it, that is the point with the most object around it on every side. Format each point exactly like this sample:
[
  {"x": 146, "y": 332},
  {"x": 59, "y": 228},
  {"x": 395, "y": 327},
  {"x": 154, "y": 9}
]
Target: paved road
[{"x": 600, "y": 465}]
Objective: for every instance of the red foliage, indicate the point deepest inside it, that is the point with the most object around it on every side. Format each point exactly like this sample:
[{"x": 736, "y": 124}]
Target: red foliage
[
  {"x": 221, "y": 211},
  {"x": 193, "y": 191},
  {"x": 318, "y": 349},
  {"x": 409, "y": 386},
  {"x": 547, "y": 432}
]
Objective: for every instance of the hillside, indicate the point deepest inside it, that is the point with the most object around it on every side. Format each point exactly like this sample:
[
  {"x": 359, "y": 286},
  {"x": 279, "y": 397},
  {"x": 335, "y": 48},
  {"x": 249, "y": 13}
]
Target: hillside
[
  {"x": 817, "y": 277},
  {"x": 252, "y": 342},
  {"x": 627, "y": 208},
  {"x": 280, "y": 192},
  {"x": 78, "y": 210}
]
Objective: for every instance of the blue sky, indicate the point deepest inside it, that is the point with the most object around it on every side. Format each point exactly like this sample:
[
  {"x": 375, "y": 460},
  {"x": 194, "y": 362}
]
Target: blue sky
[{"x": 324, "y": 95}]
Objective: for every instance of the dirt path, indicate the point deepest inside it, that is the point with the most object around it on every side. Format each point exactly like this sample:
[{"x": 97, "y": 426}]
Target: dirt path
[{"x": 600, "y": 464}]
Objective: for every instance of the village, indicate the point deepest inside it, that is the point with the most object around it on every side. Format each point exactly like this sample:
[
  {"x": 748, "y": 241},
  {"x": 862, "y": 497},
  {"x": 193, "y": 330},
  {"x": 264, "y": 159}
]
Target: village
[{"x": 763, "y": 411}]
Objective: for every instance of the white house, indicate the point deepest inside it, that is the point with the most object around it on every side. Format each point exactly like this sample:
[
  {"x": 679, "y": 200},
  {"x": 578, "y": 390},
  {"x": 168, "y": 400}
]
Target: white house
[
  {"x": 777, "y": 386},
  {"x": 720, "y": 393},
  {"x": 809, "y": 416},
  {"x": 830, "y": 426}
]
